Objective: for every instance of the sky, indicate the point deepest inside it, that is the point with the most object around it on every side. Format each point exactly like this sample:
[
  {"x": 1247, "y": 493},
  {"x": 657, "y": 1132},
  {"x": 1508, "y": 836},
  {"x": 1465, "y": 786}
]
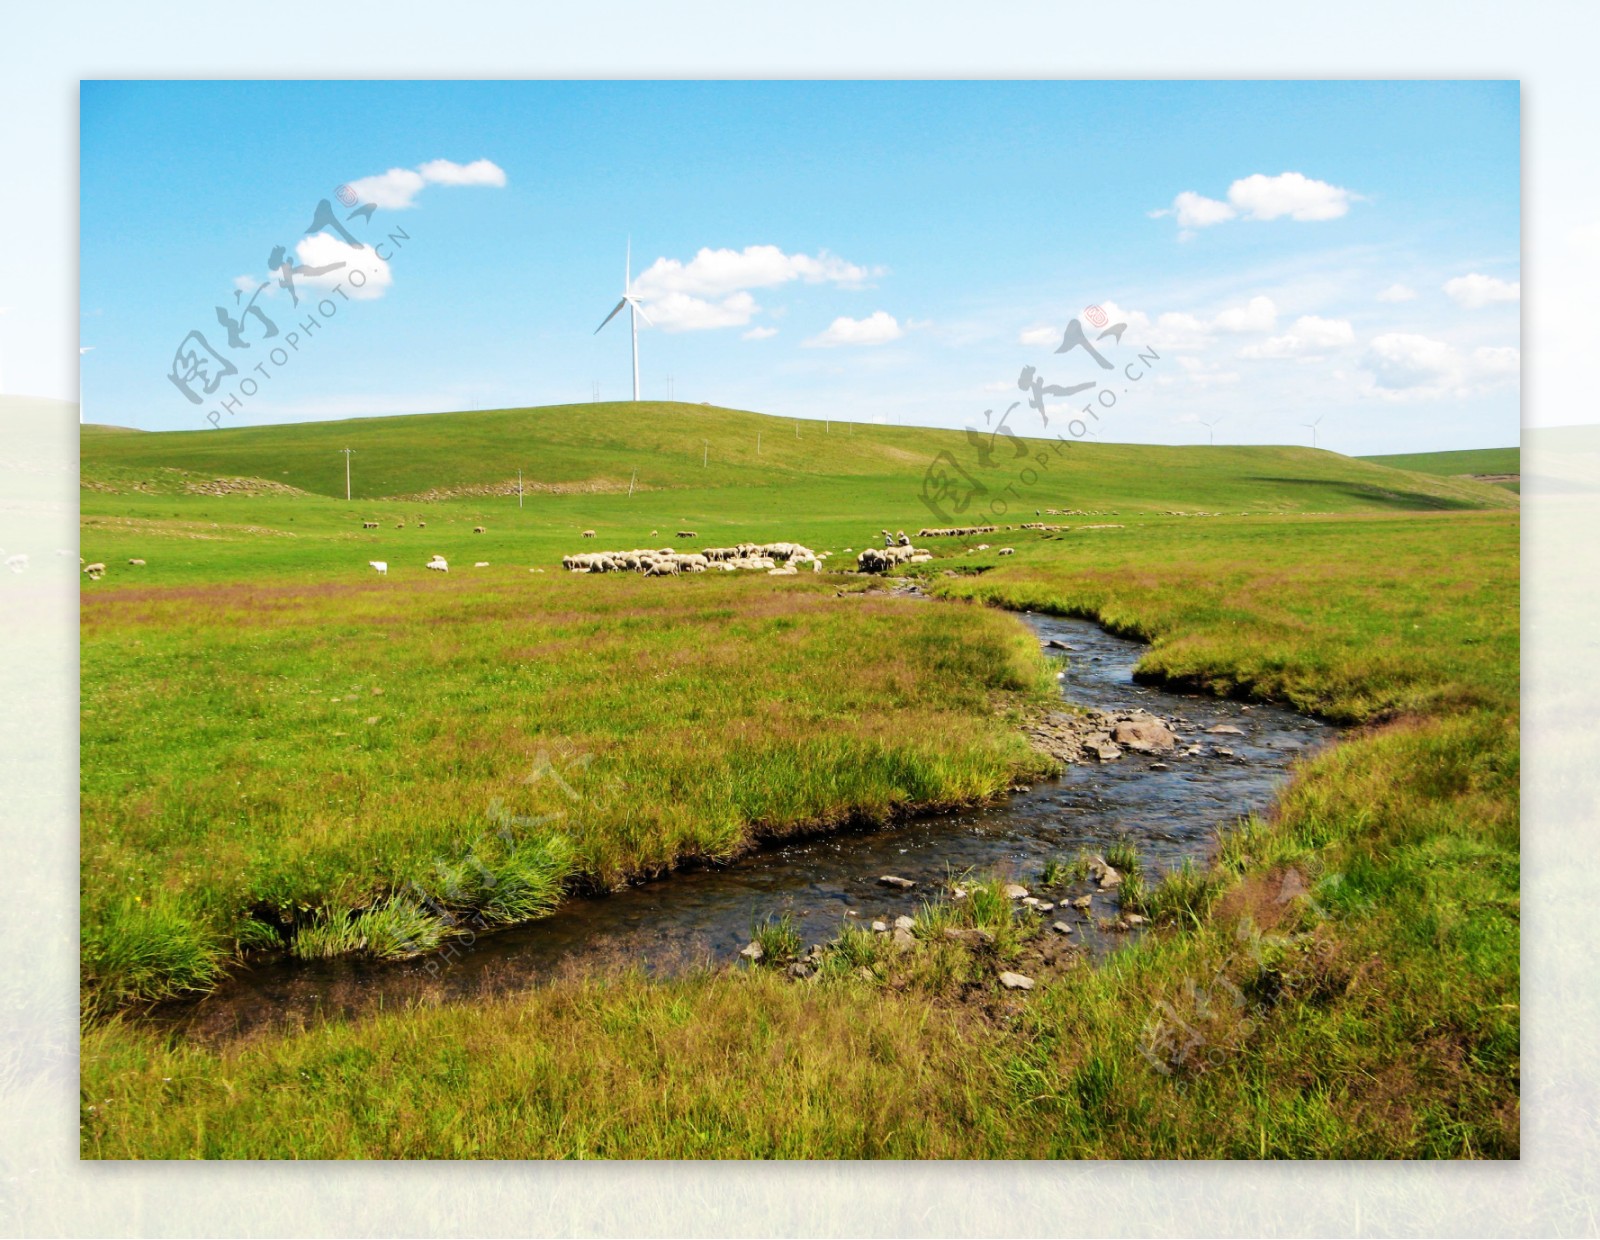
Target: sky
[{"x": 1344, "y": 254}]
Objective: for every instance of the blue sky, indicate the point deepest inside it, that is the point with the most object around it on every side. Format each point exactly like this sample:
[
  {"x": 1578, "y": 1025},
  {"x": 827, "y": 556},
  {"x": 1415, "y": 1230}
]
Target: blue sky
[{"x": 876, "y": 251}]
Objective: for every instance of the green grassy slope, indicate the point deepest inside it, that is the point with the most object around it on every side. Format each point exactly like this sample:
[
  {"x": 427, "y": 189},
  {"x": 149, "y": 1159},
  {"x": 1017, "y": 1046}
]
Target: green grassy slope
[
  {"x": 1460, "y": 464},
  {"x": 666, "y": 443}
]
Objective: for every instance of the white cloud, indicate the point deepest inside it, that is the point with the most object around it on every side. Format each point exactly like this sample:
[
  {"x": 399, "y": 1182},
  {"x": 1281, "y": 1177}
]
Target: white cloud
[
  {"x": 1475, "y": 290},
  {"x": 879, "y": 327},
  {"x": 714, "y": 273},
  {"x": 1410, "y": 366},
  {"x": 363, "y": 265},
  {"x": 397, "y": 189},
  {"x": 1259, "y": 197},
  {"x": 1039, "y": 335},
  {"x": 679, "y": 312},
  {"x": 1308, "y": 332},
  {"x": 1289, "y": 193},
  {"x": 1203, "y": 374},
  {"x": 1398, "y": 292},
  {"x": 478, "y": 172},
  {"x": 1260, "y": 315},
  {"x": 85, "y": 348},
  {"x": 760, "y": 333}
]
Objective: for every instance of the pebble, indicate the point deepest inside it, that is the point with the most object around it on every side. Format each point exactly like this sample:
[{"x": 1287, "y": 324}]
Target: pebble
[
  {"x": 894, "y": 880},
  {"x": 1014, "y": 891},
  {"x": 1061, "y": 927},
  {"x": 880, "y": 927},
  {"x": 752, "y": 952},
  {"x": 904, "y": 923},
  {"x": 1083, "y": 902},
  {"x": 1016, "y": 981},
  {"x": 1225, "y": 729}
]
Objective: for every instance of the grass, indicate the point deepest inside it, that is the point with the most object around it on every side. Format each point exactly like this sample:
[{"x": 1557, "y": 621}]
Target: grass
[{"x": 1342, "y": 983}]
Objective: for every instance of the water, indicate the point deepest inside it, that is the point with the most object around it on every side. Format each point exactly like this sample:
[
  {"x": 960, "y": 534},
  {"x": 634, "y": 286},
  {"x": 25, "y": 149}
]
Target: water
[{"x": 705, "y": 914}]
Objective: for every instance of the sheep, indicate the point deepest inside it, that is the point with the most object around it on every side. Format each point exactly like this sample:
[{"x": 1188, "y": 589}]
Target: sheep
[
  {"x": 136, "y": 563},
  {"x": 382, "y": 566},
  {"x": 369, "y": 525},
  {"x": 422, "y": 525},
  {"x": 687, "y": 534},
  {"x": 478, "y": 529},
  {"x": 481, "y": 564},
  {"x": 438, "y": 564},
  {"x": 872, "y": 560},
  {"x": 399, "y": 525},
  {"x": 95, "y": 571},
  {"x": 1006, "y": 551},
  {"x": 590, "y": 533}
]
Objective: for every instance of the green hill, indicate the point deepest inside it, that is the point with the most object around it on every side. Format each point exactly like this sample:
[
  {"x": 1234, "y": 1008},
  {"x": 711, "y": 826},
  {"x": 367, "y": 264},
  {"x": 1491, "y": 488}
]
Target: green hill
[
  {"x": 1502, "y": 465},
  {"x": 601, "y": 448}
]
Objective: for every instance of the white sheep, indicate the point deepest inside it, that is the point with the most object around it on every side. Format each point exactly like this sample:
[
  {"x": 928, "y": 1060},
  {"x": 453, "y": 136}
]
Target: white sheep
[
  {"x": 381, "y": 565},
  {"x": 95, "y": 571},
  {"x": 136, "y": 563},
  {"x": 438, "y": 564},
  {"x": 481, "y": 564}
]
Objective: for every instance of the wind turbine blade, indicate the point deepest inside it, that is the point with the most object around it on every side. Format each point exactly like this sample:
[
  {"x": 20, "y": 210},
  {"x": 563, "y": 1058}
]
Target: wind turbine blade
[
  {"x": 637, "y": 305},
  {"x": 612, "y": 315}
]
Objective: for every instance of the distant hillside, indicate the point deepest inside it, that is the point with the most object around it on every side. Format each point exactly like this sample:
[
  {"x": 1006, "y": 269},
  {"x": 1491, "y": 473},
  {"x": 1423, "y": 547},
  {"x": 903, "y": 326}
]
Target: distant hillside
[
  {"x": 605, "y": 448},
  {"x": 1502, "y": 466}
]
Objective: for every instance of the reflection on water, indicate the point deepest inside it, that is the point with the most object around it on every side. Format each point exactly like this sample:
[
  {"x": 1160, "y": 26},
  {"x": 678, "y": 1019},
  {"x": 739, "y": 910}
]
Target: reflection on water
[{"x": 706, "y": 914}]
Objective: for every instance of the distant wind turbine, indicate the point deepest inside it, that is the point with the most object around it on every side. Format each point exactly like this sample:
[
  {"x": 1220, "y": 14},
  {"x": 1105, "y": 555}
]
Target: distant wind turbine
[
  {"x": 1312, "y": 427},
  {"x": 634, "y": 308},
  {"x": 1210, "y": 429}
]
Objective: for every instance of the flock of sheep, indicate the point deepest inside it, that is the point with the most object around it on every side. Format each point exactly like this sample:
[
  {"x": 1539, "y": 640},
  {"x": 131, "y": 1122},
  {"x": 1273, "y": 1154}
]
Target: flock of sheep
[{"x": 779, "y": 559}]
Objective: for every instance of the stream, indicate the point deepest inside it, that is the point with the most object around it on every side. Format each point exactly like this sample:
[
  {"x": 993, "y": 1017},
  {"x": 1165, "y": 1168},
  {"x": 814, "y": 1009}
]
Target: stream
[{"x": 705, "y": 914}]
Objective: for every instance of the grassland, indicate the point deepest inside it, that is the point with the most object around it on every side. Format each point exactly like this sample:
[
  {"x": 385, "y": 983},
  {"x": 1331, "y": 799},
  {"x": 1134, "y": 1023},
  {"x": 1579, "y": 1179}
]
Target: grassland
[
  {"x": 1503, "y": 463},
  {"x": 1370, "y": 1011}
]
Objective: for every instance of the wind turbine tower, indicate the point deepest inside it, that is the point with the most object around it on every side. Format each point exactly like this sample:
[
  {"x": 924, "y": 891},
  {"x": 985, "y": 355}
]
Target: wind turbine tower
[
  {"x": 635, "y": 313},
  {"x": 1312, "y": 427}
]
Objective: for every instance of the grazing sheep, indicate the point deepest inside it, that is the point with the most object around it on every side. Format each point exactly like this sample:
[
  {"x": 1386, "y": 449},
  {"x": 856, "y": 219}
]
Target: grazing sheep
[
  {"x": 481, "y": 564},
  {"x": 136, "y": 563},
  {"x": 399, "y": 525},
  {"x": 422, "y": 525},
  {"x": 687, "y": 534},
  {"x": 478, "y": 529},
  {"x": 439, "y": 564},
  {"x": 381, "y": 565},
  {"x": 590, "y": 533},
  {"x": 872, "y": 560},
  {"x": 369, "y": 525},
  {"x": 1006, "y": 551},
  {"x": 95, "y": 571}
]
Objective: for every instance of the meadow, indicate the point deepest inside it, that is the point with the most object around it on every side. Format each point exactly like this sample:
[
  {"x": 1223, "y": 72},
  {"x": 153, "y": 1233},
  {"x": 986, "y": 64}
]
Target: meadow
[{"x": 280, "y": 747}]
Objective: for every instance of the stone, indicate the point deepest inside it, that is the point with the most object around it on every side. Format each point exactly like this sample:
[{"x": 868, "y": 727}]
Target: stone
[
  {"x": 1014, "y": 891},
  {"x": 880, "y": 927},
  {"x": 1016, "y": 981},
  {"x": 1109, "y": 878},
  {"x": 904, "y": 938},
  {"x": 894, "y": 880},
  {"x": 1133, "y": 919},
  {"x": 1083, "y": 902},
  {"x": 1044, "y": 906},
  {"x": 1061, "y": 927},
  {"x": 1159, "y": 766},
  {"x": 1031, "y": 901},
  {"x": 1225, "y": 729},
  {"x": 752, "y": 952},
  {"x": 1223, "y": 753},
  {"x": 904, "y": 923},
  {"x": 799, "y": 971},
  {"x": 958, "y": 893},
  {"x": 953, "y": 934},
  {"x": 1145, "y": 734}
]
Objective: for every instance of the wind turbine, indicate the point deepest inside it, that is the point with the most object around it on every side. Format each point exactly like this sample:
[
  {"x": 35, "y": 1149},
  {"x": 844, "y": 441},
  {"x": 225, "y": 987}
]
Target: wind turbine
[
  {"x": 1312, "y": 427},
  {"x": 634, "y": 309},
  {"x": 1210, "y": 429}
]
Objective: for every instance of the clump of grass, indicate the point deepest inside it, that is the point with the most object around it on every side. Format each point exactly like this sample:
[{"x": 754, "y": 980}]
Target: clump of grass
[
  {"x": 254, "y": 935},
  {"x": 778, "y": 938},
  {"x": 1054, "y": 873},
  {"x": 1184, "y": 895},
  {"x": 1123, "y": 856},
  {"x": 1132, "y": 895},
  {"x": 334, "y": 935},
  {"x": 141, "y": 951},
  {"x": 398, "y": 929},
  {"x": 529, "y": 883},
  {"x": 856, "y": 948}
]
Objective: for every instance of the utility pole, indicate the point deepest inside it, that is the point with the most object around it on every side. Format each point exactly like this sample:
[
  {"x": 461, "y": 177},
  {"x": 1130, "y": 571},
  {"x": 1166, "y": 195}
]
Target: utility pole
[
  {"x": 347, "y": 452},
  {"x": 631, "y": 481},
  {"x": 758, "y": 443},
  {"x": 705, "y": 453},
  {"x": 519, "y": 488}
]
